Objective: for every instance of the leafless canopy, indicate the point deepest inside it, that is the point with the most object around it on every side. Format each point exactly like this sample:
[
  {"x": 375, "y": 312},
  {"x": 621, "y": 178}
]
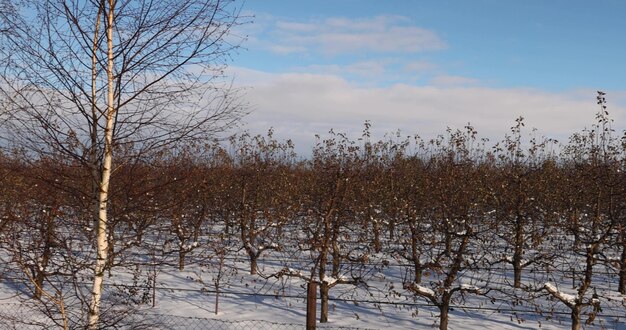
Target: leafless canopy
[{"x": 169, "y": 60}]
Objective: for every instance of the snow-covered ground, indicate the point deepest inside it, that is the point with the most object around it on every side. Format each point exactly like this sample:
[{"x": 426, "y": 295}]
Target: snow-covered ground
[
  {"x": 384, "y": 297},
  {"x": 382, "y": 303}
]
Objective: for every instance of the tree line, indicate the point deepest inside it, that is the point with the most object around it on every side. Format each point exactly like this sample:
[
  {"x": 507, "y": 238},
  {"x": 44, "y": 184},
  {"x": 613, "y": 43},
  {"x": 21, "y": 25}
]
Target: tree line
[{"x": 452, "y": 210}]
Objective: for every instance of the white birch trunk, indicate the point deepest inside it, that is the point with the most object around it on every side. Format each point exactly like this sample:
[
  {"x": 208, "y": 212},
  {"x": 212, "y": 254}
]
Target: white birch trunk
[{"x": 102, "y": 243}]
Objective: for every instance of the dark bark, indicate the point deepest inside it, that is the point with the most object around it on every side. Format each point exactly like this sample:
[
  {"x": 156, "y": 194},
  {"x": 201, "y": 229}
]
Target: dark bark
[
  {"x": 181, "y": 259},
  {"x": 622, "y": 270},
  {"x": 324, "y": 288},
  {"x": 253, "y": 263},
  {"x": 444, "y": 310},
  {"x": 575, "y": 315}
]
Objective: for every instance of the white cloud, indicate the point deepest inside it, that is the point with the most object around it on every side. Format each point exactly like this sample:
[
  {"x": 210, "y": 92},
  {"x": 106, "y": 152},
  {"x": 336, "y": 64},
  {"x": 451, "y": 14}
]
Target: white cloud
[
  {"x": 301, "y": 105},
  {"x": 249, "y": 77},
  {"x": 447, "y": 80},
  {"x": 375, "y": 72},
  {"x": 295, "y": 26},
  {"x": 366, "y": 69},
  {"x": 284, "y": 49},
  {"x": 381, "y": 34},
  {"x": 420, "y": 66}
]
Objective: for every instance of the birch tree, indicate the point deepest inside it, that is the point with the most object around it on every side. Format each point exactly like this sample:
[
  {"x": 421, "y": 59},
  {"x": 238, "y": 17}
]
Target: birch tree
[{"x": 106, "y": 81}]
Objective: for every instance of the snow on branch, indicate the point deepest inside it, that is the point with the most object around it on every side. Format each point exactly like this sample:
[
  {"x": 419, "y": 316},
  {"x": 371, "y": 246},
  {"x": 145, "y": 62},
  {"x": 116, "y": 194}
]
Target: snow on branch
[
  {"x": 567, "y": 299},
  {"x": 422, "y": 291}
]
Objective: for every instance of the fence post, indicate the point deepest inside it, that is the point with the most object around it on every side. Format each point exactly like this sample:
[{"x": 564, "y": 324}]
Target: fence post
[{"x": 311, "y": 301}]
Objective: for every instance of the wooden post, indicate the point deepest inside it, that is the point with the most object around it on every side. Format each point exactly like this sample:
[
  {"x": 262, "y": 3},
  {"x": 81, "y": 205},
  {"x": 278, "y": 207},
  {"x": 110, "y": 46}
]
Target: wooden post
[{"x": 311, "y": 301}]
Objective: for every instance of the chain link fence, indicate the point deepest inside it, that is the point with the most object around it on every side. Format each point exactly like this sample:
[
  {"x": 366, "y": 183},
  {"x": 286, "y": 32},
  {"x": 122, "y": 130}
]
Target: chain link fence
[
  {"x": 195, "y": 323},
  {"x": 25, "y": 317}
]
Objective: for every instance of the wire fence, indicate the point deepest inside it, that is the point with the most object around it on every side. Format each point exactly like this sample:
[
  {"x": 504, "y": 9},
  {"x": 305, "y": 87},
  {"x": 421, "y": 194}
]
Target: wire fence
[
  {"x": 25, "y": 317},
  {"x": 181, "y": 322},
  {"x": 499, "y": 305},
  {"x": 33, "y": 315}
]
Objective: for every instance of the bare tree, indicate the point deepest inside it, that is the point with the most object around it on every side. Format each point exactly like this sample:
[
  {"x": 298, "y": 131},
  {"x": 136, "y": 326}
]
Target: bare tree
[
  {"x": 448, "y": 242},
  {"x": 331, "y": 188},
  {"x": 104, "y": 81},
  {"x": 261, "y": 173},
  {"x": 517, "y": 192},
  {"x": 589, "y": 214}
]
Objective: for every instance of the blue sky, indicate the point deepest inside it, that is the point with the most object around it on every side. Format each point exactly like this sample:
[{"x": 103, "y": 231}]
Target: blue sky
[{"x": 422, "y": 66}]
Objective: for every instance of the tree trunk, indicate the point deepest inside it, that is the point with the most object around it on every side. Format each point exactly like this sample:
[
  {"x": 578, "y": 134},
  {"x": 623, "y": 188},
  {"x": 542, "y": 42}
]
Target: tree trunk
[
  {"x": 323, "y": 260},
  {"x": 93, "y": 152},
  {"x": 324, "y": 302},
  {"x": 181, "y": 259},
  {"x": 517, "y": 269},
  {"x": 154, "y": 283},
  {"x": 101, "y": 243},
  {"x": 110, "y": 249},
  {"x": 217, "y": 298},
  {"x": 39, "y": 278},
  {"x": 415, "y": 255},
  {"x": 418, "y": 273},
  {"x": 444, "y": 309},
  {"x": 576, "y": 317},
  {"x": 392, "y": 229},
  {"x": 40, "y": 269},
  {"x": 622, "y": 271},
  {"x": 519, "y": 249},
  {"x": 253, "y": 263},
  {"x": 376, "y": 228}
]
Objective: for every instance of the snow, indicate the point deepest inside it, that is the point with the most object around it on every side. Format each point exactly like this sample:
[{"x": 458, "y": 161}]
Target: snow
[
  {"x": 564, "y": 297},
  {"x": 509, "y": 259},
  {"x": 271, "y": 246},
  {"x": 180, "y": 294},
  {"x": 188, "y": 247},
  {"x": 294, "y": 271},
  {"x": 424, "y": 290},
  {"x": 469, "y": 287},
  {"x": 383, "y": 304},
  {"x": 332, "y": 280}
]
